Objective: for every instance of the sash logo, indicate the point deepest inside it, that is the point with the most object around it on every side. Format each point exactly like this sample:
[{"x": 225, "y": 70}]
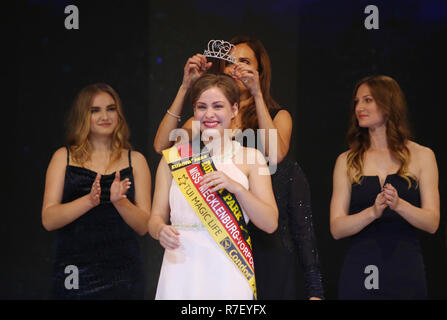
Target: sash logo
[
  {"x": 182, "y": 180},
  {"x": 226, "y": 243}
]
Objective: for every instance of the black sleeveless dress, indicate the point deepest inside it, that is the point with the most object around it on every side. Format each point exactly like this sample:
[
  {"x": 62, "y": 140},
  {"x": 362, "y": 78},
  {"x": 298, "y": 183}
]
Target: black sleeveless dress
[
  {"x": 99, "y": 244},
  {"x": 288, "y": 257},
  {"x": 389, "y": 244}
]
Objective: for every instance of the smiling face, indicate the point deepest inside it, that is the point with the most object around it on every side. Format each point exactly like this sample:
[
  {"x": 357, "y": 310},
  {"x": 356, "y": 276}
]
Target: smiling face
[
  {"x": 368, "y": 113},
  {"x": 214, "y": 111},
  {"x": 104, "y": 115}
]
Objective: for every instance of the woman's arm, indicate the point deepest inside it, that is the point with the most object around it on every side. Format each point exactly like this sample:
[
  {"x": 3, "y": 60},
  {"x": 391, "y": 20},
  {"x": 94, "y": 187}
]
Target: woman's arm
[
  {"x": 169, "y": 122},
  {"x": 56, "y": 215},
  {"x": 341, "y": 223},
  {"x": 158, "y": 226},
  {"x": 258, "y": 202},
  {"x": 300, "y": 221},
  {"x": 281, "y": 124},
  {"x": 427, "y": 217},
  {"x": 135, "y": 215},
  {"x": 194, "y": 68}
]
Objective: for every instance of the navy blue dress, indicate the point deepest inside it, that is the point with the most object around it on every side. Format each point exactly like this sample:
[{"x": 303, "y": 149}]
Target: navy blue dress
[
  {"x": 100, "y": 244},
  {"x": 389, "y": 243}
]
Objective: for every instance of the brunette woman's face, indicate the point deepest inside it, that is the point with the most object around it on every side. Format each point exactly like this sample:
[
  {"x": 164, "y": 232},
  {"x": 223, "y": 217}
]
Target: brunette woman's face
[
  {"x": 368, "y": 113},
  {"x": 104, "y": 115},
  {"x": 243, "y": 54},
  {"x": 214, "y": 111}
]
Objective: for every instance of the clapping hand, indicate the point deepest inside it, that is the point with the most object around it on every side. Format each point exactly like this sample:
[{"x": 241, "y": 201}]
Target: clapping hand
[
  {"x": 119, "y": 188},
  {"x": 391, "y": 196},
  {"x": 95, "y": 191},
  {"x": 379, "y": 205}
]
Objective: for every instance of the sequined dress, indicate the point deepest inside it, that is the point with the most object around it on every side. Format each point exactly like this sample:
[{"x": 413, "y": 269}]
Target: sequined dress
[
  {"x": 98, "y": 248},
  {"x": 289, "y": 256}
]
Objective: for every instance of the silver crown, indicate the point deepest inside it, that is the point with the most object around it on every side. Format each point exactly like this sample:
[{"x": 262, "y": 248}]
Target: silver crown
[{"x": 220, "y": 49}]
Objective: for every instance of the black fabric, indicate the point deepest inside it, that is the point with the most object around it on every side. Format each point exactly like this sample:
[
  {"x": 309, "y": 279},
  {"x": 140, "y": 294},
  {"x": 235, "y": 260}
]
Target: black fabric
[
  {"x": 284, "y": 257},
  {"x": 389, "y": 243},
  {"x": 100, "y": 244}
]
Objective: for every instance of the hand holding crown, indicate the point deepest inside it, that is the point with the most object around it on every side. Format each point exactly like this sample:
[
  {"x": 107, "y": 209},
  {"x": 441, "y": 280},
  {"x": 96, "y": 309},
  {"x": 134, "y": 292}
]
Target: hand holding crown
[
  {"x": 249, "y": 77},
  {"x": 194, "y": 68}
]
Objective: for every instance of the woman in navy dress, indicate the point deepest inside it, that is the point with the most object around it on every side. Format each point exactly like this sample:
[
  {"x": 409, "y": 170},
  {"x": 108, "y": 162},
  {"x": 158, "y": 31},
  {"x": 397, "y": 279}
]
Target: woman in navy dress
[
  {"x": 97, "y": 199},
  {"x": 385, "y": 190}
]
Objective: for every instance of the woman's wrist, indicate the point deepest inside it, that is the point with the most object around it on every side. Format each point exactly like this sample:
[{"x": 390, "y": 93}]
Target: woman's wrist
[
  {"x": 257, "y": 96},
  {"x": 183, "y": 89},
  {"x": 374, "y": 213},
  {"x": 239, "y": 190},
  {"x": 159, "y": 228},
  {"x": 88, "y": 202},
  {"x": 118, "y": 203}
]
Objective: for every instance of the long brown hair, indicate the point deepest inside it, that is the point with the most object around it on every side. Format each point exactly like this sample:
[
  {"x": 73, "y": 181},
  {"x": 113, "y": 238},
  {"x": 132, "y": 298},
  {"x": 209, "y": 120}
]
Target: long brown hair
[
  {"x": 248, "y": 116},
  {"x": 78, "y": 125},
  {"x": 391, "y": 100}
]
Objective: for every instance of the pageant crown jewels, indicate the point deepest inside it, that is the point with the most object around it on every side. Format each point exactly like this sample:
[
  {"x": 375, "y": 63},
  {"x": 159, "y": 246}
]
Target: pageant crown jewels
[{"x": 220, "y": 49}]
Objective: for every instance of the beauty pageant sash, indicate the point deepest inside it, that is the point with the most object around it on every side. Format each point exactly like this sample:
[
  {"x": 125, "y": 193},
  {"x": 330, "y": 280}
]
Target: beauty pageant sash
[{"x": 219, "y": 211}]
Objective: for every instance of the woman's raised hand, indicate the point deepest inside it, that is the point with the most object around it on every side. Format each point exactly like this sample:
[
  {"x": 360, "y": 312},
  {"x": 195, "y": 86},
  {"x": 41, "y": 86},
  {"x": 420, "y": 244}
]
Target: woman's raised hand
[
  {"x": 249, "y": 77},
  {"x": 119, "y": 188},
  {"x": 195, "y": 66},
  {"x": 95, "y": 191},
  {"x": 379, "y": 205},
  {"x": 391, "y": 196}
]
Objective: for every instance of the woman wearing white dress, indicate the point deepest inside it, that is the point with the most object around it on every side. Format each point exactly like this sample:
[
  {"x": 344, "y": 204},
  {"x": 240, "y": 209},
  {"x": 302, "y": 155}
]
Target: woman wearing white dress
[{"x": 194, "y": 266}]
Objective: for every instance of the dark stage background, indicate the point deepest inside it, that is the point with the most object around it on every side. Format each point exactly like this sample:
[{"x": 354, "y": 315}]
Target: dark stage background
[{"x": 319, "y": 49}]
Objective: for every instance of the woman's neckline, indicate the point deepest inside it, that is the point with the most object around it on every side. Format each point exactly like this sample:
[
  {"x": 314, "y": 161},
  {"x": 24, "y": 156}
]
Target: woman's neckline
[
  {"x": 386, "y": 178},
  {"x": 95, "y": 172},
  {"x": 228, "y": 155},
  {"x": 379, "y": 176}
]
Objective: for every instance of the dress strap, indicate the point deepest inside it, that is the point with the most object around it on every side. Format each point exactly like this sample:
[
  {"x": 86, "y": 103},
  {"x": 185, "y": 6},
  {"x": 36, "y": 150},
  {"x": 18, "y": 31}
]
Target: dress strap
[
  {"x": 68, "y": 156},
  {"x": 130, "y": 161},
  {"x": 274, "y": 112}
]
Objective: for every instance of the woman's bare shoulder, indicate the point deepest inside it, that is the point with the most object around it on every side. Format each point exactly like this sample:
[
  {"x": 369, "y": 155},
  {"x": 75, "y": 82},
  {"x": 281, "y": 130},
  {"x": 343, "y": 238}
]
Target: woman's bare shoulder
[
  {"x": 420, "y": 152},
  {"x": 60, "y": 155}
]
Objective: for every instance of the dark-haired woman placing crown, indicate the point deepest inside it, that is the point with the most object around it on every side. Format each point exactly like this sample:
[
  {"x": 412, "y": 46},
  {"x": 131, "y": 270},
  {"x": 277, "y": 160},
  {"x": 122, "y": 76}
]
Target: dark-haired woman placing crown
[{"x": 278, "y": 256}]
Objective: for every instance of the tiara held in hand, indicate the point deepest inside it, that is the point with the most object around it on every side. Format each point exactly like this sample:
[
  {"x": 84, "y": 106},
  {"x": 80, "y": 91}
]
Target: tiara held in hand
[{"x": 220, "y": 49}]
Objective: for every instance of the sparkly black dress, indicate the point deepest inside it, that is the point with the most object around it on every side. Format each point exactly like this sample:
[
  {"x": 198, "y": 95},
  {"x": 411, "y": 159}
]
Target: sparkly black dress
[
  {"x": 99, "y": 244},
  {"x": 288, "y": 256},
  {"x": 389, "y": 244}
]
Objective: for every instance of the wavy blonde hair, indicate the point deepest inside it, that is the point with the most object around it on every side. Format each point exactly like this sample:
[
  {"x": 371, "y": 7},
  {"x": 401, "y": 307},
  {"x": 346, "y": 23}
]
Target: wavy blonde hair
[
  {"x": 78, "y": 125},
  {"x": 391, "y": 101}
]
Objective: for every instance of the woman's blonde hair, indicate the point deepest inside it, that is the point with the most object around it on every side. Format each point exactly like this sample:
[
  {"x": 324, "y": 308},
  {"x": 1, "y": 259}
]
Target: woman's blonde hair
[
  {"x": 78, "y": 125},
  {"x": 390, "y": 99}
]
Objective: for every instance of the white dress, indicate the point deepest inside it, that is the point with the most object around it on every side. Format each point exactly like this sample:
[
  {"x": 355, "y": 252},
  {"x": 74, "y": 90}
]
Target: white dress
[{"x": 199, "y": 269}]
